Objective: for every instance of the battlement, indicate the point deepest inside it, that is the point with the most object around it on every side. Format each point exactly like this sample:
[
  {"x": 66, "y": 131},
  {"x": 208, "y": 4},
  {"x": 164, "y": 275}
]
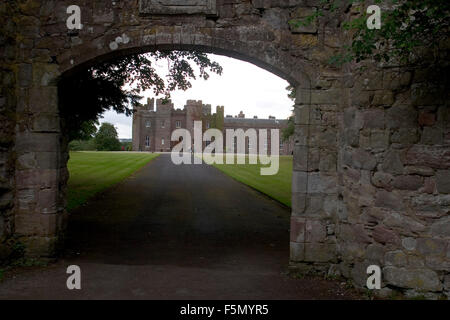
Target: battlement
[
  {"x": 164, "y": 105},
  {"x": 206, "y": 109},
  {"x": 194, "y": 102}
]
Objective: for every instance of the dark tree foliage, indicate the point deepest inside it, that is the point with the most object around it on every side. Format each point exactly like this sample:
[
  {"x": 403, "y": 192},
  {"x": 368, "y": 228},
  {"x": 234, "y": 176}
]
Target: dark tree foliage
[
  {"x": 106, "y": 139},
  {"x": 289, "y": 130},
  {"x": 84, "y": 96},
  {"x": 409, "y": 28}
]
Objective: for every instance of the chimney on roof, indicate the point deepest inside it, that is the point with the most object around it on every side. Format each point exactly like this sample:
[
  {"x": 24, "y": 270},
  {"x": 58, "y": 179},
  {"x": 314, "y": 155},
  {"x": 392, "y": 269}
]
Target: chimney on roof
[
  {"x": 272, "y": 118},
  {"x": 255, "y": 117},
  {"x": 241, "y": 115}
]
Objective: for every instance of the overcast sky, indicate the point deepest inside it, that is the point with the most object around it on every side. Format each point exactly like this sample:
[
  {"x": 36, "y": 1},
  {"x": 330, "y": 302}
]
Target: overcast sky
[{"x": 242, "y": 86}]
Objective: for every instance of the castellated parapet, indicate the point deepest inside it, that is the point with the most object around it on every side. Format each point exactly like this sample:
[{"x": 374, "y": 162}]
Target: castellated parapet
[{"x": 152, "y": 128}]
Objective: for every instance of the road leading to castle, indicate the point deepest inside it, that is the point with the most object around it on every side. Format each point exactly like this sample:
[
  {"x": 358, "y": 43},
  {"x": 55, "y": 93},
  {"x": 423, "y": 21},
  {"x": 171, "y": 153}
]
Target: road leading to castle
[{"x": 176, "y": 232}]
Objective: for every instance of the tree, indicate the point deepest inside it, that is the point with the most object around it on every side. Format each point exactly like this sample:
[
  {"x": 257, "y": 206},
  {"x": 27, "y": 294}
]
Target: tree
[
  {"x": 106, "y": 138},
  {"x": 82, "y": 145},
  {"x": 407, "y": 28},
  {"x": 116, "y": 84},
  {"x": 289, "y": 130}
]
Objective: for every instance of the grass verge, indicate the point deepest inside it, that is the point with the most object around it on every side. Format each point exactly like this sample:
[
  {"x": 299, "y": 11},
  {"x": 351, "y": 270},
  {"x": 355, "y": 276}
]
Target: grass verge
[
  {"x": 93, "y": 172},
  {"x": 277, "y": 186}
]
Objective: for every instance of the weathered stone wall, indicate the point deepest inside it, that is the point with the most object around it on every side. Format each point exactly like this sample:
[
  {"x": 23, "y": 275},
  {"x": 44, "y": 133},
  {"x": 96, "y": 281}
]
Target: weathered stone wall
[
  {"x": 7, "y": 119},
  {"x": 394, "y": 177},
  {"x": 371, "y": 155}
]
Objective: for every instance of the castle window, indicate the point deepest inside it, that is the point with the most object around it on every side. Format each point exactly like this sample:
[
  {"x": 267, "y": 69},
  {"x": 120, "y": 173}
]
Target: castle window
[
  {"x": 178, "y": 124},
  {"x": 147, "y": 141},
  {"x": 147, "y": 124},
  {"x": 162, "y": 141},
  {"x": 163, "y": 124},
  {"x": 281, "y": 143},
  {"x": 208, "y": 125}
]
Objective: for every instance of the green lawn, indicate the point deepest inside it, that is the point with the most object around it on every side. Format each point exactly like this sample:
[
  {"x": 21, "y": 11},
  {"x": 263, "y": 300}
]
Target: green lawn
[
  {"x": 277, "y": 186},
  {"x": 92, "y": 172}
]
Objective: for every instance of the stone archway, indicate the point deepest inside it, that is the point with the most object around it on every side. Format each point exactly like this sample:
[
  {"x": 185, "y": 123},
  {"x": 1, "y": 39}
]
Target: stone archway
[
  {"x": 262, "y": 44},
  {"x": 367, "y": 183}
]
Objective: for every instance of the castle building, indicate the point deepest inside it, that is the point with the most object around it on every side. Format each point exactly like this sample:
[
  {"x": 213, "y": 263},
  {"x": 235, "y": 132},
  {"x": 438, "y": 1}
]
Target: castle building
[{"x": 152, "y": 128}]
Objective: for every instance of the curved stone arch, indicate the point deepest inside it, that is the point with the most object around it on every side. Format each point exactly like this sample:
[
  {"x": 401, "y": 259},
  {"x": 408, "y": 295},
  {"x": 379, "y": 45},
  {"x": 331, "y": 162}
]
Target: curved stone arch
[
  {"x": 268, "y": 58},
  {"x": 260, "y": 41},
  {"x": 343, "y": 118}
]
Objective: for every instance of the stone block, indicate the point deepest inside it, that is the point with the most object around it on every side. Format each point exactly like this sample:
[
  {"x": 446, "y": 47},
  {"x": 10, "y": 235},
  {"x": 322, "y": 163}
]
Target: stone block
[
  {"x": 298, "y": 229},
  {"x": 443, "y": 181},
  {"x": 441, "y": 228},
  {"x": 419, "y": 279},
  {"x": 297, "y": 251},
  {"x": 389, "y": 200},
  {"x": 35, "y": 224},
  {"x": 385, "y": 236},
  {"x": 27, "y": 161},
  {"x": 408, "y": 182},
  {"x": 396, "y": 79},
  {"x": 330, "y": 96},
  {"x": 396, "y": 258},
  {"x": 297, "y": 26},
  {"x": 375, "y": 254},
  {"x": 28, "y": 142},
  {"x": 353, "y": 119},
  {"x": 392, "y": 163},
  {"x": 405, "y": 136},
  {"x": 301, "y": 135},
  {"x": 298, "y": 203},
  {"x": 431, "y": 246},
  {"x": 351, "y": 137},
  {"x": 361, "y": 159},
  {"x": 436, "y": 157},
  {"x": 379, "y": 139},
  {"x": 383, "y": 98},
  {"x": 299, "y": 181},
  {"x": 45, "y": 74},
  {"x": 373, "y": 119},
  {"x": 47, "y": 201},
  {"x": 46, "y": 123},
  {"x": 320, "y": 183},
  {"x": 315, "y": 231},
  {"x": 328, "y": 161},
  {"x": 432, "y": 136},
  {"x": 419, "y": 170},
  {"x": 303, "y": 97},
  {"x": 40, "y": 246},
  {"x": 47, "y": 160},
  {"x": 353, "y": 233},
  {"x": 302, "y": 114},
  {"x": 320, "y": 252},
  {"x": 25, "y": 75},
  {"x": 426, "y": 118},
  {"x": 301, "y": 158},
  {"x": 382, "y": 180},
  {"x": 401, "y": 117},
  {"x": 352, "y": 251},
  {"x": 44, "y": 99}
]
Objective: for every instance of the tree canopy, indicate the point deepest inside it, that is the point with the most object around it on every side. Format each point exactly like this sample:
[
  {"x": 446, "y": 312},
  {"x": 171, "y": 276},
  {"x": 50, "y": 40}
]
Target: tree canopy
[{"x": 106, "y": 139}]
